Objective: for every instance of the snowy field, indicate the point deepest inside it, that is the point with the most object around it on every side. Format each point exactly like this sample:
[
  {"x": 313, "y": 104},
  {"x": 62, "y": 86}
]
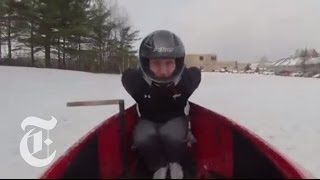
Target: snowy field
[{"x": 282, "y": 110}]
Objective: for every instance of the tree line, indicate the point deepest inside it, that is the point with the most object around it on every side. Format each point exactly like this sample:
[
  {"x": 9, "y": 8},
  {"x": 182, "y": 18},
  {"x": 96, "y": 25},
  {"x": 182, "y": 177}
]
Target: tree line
[{"x": 66, "y": 34}]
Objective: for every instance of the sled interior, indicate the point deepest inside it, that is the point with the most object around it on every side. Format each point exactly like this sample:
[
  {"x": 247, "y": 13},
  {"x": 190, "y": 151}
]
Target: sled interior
[{"x": 223, "y": 150}]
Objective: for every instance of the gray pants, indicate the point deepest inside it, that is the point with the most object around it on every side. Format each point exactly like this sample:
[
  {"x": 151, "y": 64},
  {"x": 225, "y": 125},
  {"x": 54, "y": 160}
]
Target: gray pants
[{"x": 161, "y": 143}]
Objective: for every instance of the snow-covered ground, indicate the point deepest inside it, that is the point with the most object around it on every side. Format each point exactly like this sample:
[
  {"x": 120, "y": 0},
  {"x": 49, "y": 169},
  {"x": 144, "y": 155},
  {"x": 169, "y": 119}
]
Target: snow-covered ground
[{"x": 282, "y": 110}]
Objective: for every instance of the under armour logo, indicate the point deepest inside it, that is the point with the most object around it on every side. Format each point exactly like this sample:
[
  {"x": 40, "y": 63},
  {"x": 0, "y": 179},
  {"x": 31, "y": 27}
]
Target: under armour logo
[
  {"x": 175, "y": 96},
  {"x": 36, "y": 140},
  {"x": 147, "y": 96}
]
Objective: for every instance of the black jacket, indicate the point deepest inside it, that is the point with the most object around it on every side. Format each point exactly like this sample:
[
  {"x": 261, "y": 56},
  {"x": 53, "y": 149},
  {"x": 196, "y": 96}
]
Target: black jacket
[{"x": 160, "y": 104}]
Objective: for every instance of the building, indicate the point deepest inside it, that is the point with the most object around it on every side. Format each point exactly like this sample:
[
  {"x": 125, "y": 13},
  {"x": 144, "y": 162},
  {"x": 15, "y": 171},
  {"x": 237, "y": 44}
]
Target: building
[
  {"x": 303, "y": 61},
  {"x": 209, "y": 63},
  {"x": 205, "y": 62},
  {"x": 298, "y": 64}
]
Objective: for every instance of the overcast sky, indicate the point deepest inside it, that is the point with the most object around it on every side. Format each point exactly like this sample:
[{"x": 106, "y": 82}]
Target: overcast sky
[{"x": 234, "y": 30}]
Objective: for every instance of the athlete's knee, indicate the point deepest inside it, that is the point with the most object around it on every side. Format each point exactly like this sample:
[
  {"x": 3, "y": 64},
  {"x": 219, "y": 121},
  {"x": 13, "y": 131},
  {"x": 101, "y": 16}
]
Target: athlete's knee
[
  {"x": 175, "y": 130},
  {"x": 144, "y": 133}
]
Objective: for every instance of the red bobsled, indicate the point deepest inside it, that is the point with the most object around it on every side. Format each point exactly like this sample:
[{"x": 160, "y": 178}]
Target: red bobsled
[{"x": 223, "y": 149}]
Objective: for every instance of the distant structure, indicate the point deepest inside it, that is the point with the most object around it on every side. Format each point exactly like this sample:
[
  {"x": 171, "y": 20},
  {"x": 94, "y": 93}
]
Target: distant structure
[
  {"x": 303, "y": 60},
  {"x": 210, "y": 63}
]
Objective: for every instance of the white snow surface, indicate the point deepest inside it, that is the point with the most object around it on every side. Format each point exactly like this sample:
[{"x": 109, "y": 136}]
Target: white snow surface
[{"x": 284, "y": 111}]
